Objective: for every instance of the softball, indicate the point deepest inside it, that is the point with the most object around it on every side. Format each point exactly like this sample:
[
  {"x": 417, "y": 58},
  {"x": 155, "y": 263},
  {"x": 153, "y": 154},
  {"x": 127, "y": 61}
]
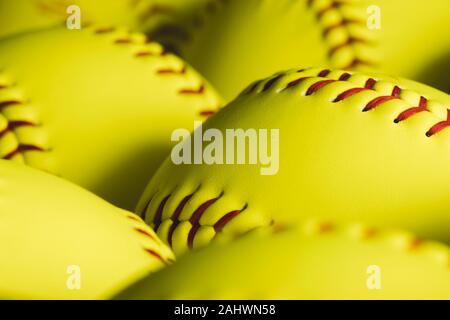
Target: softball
[
  {"x": 314, "y": 261},
  {"x": 233, "y": 42},
  {"x": 352, "y": 146},
  {"x": 26, "y": 15},
  {"x": 50, "y": 228},
  {"x": 96, "y": 106}
]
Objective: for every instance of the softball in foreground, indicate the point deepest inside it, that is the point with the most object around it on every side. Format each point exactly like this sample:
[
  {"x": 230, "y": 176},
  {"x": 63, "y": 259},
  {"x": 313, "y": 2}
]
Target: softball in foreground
[
  {"x": 52, "y": 231},
  {"x": 314, "y": 261},
  {"x": 350, "y": 147}
]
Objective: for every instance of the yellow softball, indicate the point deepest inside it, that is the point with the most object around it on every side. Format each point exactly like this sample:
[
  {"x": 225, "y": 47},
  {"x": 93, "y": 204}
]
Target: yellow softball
[
  {"x": 26, "y": 15},
  {"x": 320, "y": 143},
  {"x": 59, "y": 241},
  {"x": 96, "y": 106},
  {"x": 316, "y": 260},
  {"x": 233, "y": 42}
]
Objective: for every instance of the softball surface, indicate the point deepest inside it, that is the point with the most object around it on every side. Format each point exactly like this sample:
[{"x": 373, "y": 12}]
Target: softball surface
[
  {"x": 352, "y": 147},
  {"x": 27, "y": 15},
  {"x": 96, "y": 106},
  {"x": 50, "y": 227},
  {"x": 233, "y": 42},
  {"x": 314, "y": 261}
]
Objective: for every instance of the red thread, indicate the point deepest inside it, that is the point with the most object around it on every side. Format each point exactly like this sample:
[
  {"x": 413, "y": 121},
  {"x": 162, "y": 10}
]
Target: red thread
[
  {"x": 345, "y": 76},
  {"x": 189, "y": 91},
  {"x": 145, "y": 233},
  {"x": 195, "y": 220},
  {"x": 348, "y": 93},
  {"x": 8, "y": 103},
  {"x": 170, "y": 71},
  {"x": 316, "y": 86},
  {"x": 412, "y": 111},
  {"x": 104, "y": 30},
  {"x": 175, "y": 218},
  {"x": 155, "y": 254},
  {"x": 439, "y": 126},
  {"x": 380, "y": 100},
  {"x": 15, "y": 124},
  {"x": 158, "y": 216},
  {"x": 22, "y": 148},
  {"x": 295, "y": 82},
  {"x": 207, "y": 113},
  {"x": 324, "y": 73},
  {"x": 370, "y": 83},
  {"x": 219, "y": 225},
  {"x": 271, "y": 82},
  {"x": 377, "y": 101}
]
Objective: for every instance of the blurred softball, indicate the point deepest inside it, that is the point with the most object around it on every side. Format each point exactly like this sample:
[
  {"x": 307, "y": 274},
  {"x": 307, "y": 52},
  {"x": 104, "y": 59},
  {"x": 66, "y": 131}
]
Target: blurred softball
[
  {"x": 315, "y": 261},
  {"x": 96, "y": 106},
  {"x": 27, "y": 15},
  {"x": 233, "y": 42},
  {"x": 349, "y": 146},
  {"x": 52, "y": 230}
]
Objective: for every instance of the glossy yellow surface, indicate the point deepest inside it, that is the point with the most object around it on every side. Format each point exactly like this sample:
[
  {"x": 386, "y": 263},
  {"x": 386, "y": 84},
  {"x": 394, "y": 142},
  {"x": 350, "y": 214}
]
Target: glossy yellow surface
[
  {"x": 48, "y": 225},
  {"x": 335, "y": 161},
  {"x": 234, "y": 42},
  {"x": 19, "y": 16},
  {"x": 97, "y": 106},
  {"x": 313, "y": 261}
]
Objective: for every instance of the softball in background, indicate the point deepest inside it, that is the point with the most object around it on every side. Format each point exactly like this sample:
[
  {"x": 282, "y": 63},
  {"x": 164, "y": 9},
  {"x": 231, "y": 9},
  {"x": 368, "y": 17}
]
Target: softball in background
[
  {"x": 314, "y": 261},
  {"x": 233, "y": 42},
  {"x": 349, "y": 147},
  {"x": 27, "y": 15},
  {"x": 59, "y": 241},
  {"x": 96, "y": 106}
]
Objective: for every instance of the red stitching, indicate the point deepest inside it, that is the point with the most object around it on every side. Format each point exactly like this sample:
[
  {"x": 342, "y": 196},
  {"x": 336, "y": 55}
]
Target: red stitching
[
  {"x": 438, "y": 127},
  {"x": 374, "y": 103},
  {"x": 316, "y": 86},
  {"x": 370, "y": 83},
  {"x": 295, "y": 82},
  {"x": 194, "y": 218},
  {"x": 207, "y": 113},
  {"x": 171, "y": 71},
  {"x": 156, "y": 255},
  {"x": 158, "y": 216},
  {"x": 163, "y": 71},
  {"x": 189, "y": 91},
  {"x": 148, "y": 53},
  {"x": 377, "y": 101},
  {"x": 271, "y": 82},
  {"x": 21, "y": 149},
  {"x": 348, "y": 93},
  {"x": 413, "y": 110},
  {"x": 324, "y": 73},
  {"x": 345, "y": 23},
  {"x": 145, "y": 233},
  {"x": 16, "y": 124},
  {"x": 219, "y": 225},
  {"x": 175, "y": 218},
  {"x": 104, "y": 30},
  {"x": 4, "y": 104}
]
